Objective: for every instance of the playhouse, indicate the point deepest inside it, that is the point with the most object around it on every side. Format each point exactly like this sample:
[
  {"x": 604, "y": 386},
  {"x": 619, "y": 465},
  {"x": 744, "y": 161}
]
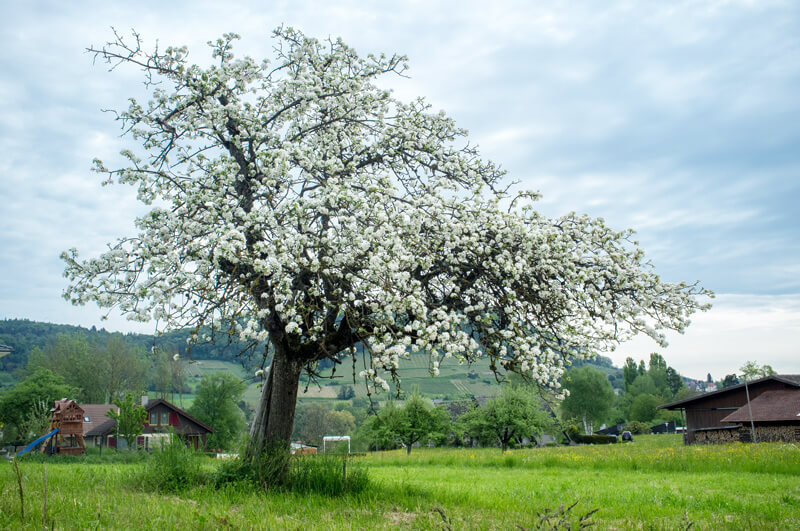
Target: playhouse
[{"x": 67, "y": 418}]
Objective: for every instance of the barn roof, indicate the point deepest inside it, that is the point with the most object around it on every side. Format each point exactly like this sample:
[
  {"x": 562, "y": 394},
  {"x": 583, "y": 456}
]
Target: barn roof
[
  {"x": 770, "y": 406},
  {"x": 790, "y": 379}
]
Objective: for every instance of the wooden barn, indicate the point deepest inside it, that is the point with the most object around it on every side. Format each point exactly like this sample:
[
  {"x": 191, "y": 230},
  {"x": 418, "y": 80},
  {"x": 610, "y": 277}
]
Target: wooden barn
[
  {"x": 775, "y": 417},
  {"x": 705, "y": 415}
]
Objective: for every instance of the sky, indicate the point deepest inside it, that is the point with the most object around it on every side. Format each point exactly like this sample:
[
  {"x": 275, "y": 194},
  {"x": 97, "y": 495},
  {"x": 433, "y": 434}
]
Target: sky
[{"x": 680, "y": 120}]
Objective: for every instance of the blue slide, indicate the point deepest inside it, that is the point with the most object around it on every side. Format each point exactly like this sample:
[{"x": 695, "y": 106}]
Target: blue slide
[{"x": 36, "y": 443}]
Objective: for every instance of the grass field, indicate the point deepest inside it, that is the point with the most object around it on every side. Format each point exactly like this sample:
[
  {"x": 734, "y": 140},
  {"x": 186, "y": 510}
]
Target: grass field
[{"x": 653, "y": 483}]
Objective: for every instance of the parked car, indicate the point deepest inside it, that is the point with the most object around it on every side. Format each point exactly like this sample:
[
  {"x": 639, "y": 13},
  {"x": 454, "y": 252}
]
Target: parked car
[{"x": 627, "y": 436}]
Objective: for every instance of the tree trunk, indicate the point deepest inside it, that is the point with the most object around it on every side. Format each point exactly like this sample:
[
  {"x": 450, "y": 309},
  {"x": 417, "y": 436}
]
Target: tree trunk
[
  {"x": 274, "y": 419},
  {"x": 408, "y": 449}
]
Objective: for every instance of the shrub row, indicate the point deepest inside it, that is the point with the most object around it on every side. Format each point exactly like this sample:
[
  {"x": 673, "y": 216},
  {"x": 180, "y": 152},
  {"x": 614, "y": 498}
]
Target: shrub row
[{"x": 594, "y": 439}]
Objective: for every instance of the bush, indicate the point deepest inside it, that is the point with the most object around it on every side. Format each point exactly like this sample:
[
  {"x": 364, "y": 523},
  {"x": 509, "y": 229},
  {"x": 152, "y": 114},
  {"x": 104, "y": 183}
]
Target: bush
[
  {"x": 173, "y": 467},
  {"x": 638, "y": 428},
  {"x": 594, "y": 439},
  {"x": 346, "y": 393},
  {"x": 232, "y": 471}
]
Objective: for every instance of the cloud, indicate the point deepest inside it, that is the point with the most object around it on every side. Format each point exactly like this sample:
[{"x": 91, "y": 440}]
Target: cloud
[
  {"x": 738, "y": 328},
  {"x": 678, "y": 119}
]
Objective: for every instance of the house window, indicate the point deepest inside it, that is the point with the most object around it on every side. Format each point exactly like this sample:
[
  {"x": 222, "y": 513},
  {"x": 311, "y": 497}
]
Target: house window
[
  {"x": 164, "y": 418},
  {"x": 86, "y": 419},
  {"x": 153, "y": 418}
]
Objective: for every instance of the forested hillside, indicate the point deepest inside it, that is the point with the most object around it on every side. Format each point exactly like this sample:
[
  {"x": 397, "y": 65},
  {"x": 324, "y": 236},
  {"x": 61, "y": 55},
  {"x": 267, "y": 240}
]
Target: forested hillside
[{"x": 24, "y": 335}]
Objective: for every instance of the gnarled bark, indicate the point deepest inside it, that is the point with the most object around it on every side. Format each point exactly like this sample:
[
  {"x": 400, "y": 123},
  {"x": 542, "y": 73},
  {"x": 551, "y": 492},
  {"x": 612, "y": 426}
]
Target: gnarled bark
[{"x": 274, "y": 419}]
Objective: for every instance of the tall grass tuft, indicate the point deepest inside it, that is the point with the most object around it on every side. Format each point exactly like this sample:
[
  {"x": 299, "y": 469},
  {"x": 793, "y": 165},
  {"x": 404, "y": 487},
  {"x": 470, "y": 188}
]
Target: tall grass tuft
[
  {"x": 276, "y": 468},
  {"x": 268, "y": 469},
  {"x": 327, "y": 475},
  {"x": 173, "y": 467}
]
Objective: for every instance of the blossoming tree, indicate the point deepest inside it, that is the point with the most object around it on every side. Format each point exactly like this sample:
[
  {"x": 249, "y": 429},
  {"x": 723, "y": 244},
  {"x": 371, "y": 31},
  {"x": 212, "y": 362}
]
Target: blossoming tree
[{"x": 295, "y": 202}]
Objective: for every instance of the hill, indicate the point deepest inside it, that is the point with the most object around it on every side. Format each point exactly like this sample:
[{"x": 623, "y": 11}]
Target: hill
[
  {"x": 455, "y": 380},
  {"x": 23, "y": 335}
]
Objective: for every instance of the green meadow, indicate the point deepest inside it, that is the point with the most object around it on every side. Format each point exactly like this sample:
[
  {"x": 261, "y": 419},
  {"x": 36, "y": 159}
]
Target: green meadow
[{"x": 652, "y": 483}]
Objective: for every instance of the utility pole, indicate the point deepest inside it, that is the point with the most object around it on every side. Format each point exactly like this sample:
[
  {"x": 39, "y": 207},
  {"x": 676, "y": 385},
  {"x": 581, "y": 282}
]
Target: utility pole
[{"x": 749, "y": 409}]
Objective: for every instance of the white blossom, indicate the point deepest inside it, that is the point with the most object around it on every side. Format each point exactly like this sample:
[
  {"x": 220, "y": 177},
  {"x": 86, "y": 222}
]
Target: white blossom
[{"x": 297, "y": 202}]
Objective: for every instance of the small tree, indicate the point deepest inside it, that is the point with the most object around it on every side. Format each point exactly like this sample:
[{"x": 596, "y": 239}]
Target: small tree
[
  {"x": 728, "y": 381},
  {"x": 81, "y": 364},
  {"x": 17, "y": 404},
  {"x": 590, "y": 396},
  {"x": 130, "y": 418},
  {"x": 514, "y": 414},
  {"x": 408, "y": 424},
  {"x": 674, "y": 381},
  {"x": 127, "y": 367},
  {"x": 645, "y": 407},
  {"x": 751, "y": 370},
  {"x": 36, "y": 422},
  {"x": 629, "y": 372},
  {"x": 215, "y": 404},
  {"x": 416, "y": 421},
  {"x": 376, "y": 430},
  {"x": 346, "y": 392},
  {"x": 314, "y": 421}
]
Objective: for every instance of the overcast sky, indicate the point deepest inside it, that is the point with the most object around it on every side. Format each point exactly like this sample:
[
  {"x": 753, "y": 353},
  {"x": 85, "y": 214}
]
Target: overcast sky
[{"x": 678, "y": 119}]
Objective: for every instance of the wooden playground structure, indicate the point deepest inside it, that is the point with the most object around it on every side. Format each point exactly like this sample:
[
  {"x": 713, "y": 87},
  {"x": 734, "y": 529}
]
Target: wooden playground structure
[{"x": 67, "y": 418}]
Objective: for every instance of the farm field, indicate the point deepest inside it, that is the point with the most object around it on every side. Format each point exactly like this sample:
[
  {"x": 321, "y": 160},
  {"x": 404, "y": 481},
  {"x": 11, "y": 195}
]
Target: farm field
[{"x": 653, "y": 483}]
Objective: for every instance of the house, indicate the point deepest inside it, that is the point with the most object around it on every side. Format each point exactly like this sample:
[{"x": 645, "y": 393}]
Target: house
[
  {"x": 163, "y": 418},
  {"x": 96, "y": 423},
  {"x": 705, "y": 415},
  {"x": 775, "y": 417}
]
